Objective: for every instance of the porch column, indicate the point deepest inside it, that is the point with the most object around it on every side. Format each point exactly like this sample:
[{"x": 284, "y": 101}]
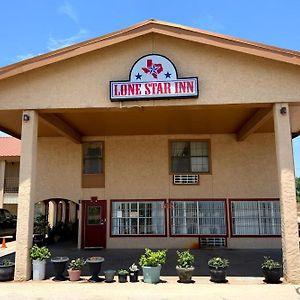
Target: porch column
[
  {"x": 72, "y": 212},
  {"x": 288, "y": 208},
  {"x": 2, "y": 176},
  {"x": 52, "y": 213},
  {"x": 26, "y": 197}
]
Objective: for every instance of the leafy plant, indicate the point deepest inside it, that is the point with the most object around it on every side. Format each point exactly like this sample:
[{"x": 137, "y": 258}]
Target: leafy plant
[
  {"x": 39, "y": 253},
  {"x": 40, "y": 224},
  {"x": 270, "y": 264},
  {"x": 76, "y": 264},
  {"x": 153, "y": 258},
  {"x": 298, "y": 188},
  {"x": 6, "y": 263},
  {"x": 185, "y": 259},
  {"x": 123, "y": 272},
  {"x": 218, "y": 263},
  {"x": 133, "y": 268}
]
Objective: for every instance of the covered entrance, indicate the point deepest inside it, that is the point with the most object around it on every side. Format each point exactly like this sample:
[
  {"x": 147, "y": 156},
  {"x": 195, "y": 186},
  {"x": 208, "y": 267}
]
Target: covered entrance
[{"x": 93, "y": 224}]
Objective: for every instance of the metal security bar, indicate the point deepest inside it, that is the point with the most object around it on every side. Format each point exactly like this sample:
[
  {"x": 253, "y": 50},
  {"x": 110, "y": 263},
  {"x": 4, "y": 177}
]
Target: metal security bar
[
  {"x": 11, "y": 184},
  {"x": 198, "y": 218},
  {"x": 138, "y": 218},
  {"x": 255, "y": 217}
]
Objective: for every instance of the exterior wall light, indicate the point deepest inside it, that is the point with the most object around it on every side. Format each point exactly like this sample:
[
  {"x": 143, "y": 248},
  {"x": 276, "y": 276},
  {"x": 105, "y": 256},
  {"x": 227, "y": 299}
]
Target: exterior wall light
[
  {"x": 26, "y": 117},
  {"x": 283, "y": 110}
]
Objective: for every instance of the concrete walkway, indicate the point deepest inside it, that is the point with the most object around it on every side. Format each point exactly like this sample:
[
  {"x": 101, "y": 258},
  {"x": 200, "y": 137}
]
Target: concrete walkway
[{"x": 235, "y": 289}]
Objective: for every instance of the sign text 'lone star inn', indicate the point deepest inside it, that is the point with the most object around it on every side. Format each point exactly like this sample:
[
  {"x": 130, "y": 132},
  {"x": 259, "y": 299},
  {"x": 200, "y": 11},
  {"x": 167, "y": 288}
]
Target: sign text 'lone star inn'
[{"x": 153, "y": 76}]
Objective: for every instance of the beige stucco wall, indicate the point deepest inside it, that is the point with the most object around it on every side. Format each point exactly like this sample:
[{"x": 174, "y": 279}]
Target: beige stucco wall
[
  {"x": 137, "y": 167},
  {"x": 224, "y": 76}
]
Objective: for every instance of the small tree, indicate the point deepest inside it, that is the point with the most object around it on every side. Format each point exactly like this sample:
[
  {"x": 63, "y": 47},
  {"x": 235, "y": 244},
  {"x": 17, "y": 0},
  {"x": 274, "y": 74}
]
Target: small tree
[{"x": 298, "y": 188}]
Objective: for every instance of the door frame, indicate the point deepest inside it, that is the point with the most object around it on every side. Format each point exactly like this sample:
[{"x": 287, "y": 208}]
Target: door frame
[{"x": 83, "y": 204}]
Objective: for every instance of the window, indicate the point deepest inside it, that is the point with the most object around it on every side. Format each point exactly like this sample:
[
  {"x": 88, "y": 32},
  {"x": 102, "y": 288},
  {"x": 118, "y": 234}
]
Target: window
[
  {"x": 138, "y": 218},
  {"x": 198, "y": 217},
  {"x": 255, "y": 217},
  {"x": 93, "y": 158},
  {"x": 190, "y": 157}
]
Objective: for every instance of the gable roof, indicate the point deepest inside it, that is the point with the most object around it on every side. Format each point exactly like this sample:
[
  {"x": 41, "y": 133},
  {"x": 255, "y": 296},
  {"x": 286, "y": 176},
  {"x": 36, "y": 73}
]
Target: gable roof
[
  {"x": 10, "y": 146},
  {"x": 153, "y": 26}
]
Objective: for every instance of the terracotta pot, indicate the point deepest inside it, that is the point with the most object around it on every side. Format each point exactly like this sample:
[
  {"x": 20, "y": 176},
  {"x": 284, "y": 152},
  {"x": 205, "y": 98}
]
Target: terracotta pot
[{"x": 74, "y": 275}]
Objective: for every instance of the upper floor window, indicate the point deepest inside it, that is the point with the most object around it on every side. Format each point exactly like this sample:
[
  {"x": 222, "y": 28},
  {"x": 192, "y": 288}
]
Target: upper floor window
[
  {"x": 93, "y": 158},
  {"x": 190, "y": 157}
]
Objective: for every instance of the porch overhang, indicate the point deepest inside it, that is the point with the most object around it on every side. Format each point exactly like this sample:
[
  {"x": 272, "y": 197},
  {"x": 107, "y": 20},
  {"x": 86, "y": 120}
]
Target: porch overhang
[{"x": 137, "y": 120}]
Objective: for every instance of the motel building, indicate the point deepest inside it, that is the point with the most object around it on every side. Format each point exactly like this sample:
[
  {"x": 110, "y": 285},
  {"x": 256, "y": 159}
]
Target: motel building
[{"x": 165, "y": 136}]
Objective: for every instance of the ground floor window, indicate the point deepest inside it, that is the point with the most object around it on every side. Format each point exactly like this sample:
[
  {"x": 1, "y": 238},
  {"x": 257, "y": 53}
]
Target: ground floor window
[
  {"x": 198, "y": 217},
  {"x": 138, "y": 217},
  {"x": 255, "y": 217}
]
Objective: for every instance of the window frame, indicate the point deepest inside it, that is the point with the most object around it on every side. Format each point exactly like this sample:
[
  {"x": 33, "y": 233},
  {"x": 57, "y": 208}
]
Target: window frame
[
  {"x": 96, "y": 180},
  {"x": 138, "y": 235},
  {"x": 249, "y": 235},
  {"x": 101, "y": 158},
  {"x": 171, "y": 141},
  {"x": 226, "y": 235}
]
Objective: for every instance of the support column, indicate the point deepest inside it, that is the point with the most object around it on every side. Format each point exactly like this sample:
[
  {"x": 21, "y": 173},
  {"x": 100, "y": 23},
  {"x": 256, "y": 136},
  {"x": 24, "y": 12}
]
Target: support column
[
  {"x": 72, "y": 212},
  {"x": 52, "y": 213},
  {"x": 26, "y": 197},
  {"x": 288, "y": 207},
  {"x": 2, "y": 176},
  {"x": 63, "y": 211}
]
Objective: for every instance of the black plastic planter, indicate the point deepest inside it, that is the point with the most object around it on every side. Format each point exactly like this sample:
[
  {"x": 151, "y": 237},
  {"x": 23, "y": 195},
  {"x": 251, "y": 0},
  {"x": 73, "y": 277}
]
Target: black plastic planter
[
  {"x": 134, "y": 276},
  {"x": 122, "y": 278},
  {"x": 7, "y": 272},
  {"x": 95, "y": 264},
  {"x": 59, "y": 265},
  {"x": 218, "y": 275},
  {"x": 272, "y": 275}
]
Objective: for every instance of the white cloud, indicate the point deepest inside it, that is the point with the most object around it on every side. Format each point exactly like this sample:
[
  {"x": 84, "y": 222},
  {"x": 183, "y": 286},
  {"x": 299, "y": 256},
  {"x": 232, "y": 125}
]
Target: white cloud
[
  {"x": 26, "y": 56},
  {"x": 68, "y": 10},
  {"x": 54, "y": 43},
  {"x": 209, "y": 22}
]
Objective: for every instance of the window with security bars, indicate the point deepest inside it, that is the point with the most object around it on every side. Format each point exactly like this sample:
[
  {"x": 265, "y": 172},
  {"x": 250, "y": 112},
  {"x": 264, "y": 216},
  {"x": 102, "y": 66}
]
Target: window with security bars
[
  {"x": 138, "y": 218},
  {"x": 190, "y": 157},
  {"x": 93, "y": 158},
  {"x": 255, "y": 218},
  {"x": 204, "y": 218}
]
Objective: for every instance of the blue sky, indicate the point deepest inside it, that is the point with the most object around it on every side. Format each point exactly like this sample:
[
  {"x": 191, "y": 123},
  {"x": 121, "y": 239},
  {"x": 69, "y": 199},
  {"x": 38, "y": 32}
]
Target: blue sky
[{"x": 32, "y": 27}]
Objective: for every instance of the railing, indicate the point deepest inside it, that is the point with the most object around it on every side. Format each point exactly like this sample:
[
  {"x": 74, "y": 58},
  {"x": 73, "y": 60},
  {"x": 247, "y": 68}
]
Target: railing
[{"x": 11, "y": 185}]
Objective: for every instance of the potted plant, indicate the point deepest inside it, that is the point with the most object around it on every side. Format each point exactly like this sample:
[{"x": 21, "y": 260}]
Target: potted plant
[
  {"x": 39, "y": 256},
  {"x": 133, "y": 273},
  {"x": 75, "y": 267},
  {"x": 271, "y": 270},
  {"x": 95, "y": 263},
  {"x": 122, "y": 275},
  {"x": 7, "y": 269},
  {"x": 151, "y": 262},
  {"x": 184, "y": 266},
  {"x": 217, "y": 269}
]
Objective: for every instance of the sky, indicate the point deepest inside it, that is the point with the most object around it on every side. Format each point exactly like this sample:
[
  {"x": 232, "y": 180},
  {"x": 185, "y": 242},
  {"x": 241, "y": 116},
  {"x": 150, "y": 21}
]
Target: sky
[{"x": 33, "y": 27}]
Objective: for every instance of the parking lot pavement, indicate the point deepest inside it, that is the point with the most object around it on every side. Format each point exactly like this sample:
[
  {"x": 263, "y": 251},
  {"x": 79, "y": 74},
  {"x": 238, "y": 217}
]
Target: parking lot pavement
[{"x": 202, "y": 289}]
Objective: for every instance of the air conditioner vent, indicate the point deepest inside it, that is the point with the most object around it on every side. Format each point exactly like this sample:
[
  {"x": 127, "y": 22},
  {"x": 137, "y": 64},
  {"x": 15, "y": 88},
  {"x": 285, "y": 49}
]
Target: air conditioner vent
[{"x": 185, "y": 179}]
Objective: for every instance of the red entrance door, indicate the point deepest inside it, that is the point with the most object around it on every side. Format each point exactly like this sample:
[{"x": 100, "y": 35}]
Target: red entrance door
[{"x": 94, "y": 223}]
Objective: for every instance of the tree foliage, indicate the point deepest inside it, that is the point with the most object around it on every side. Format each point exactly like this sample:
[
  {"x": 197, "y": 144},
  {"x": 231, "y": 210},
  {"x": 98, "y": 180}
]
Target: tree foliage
[{"x": 298, "y": 188}]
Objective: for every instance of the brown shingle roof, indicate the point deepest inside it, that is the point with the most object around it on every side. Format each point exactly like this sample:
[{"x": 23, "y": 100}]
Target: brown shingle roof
[
  {"x": 153, "y": 26},
  {"x": 10, "y": 146}
]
